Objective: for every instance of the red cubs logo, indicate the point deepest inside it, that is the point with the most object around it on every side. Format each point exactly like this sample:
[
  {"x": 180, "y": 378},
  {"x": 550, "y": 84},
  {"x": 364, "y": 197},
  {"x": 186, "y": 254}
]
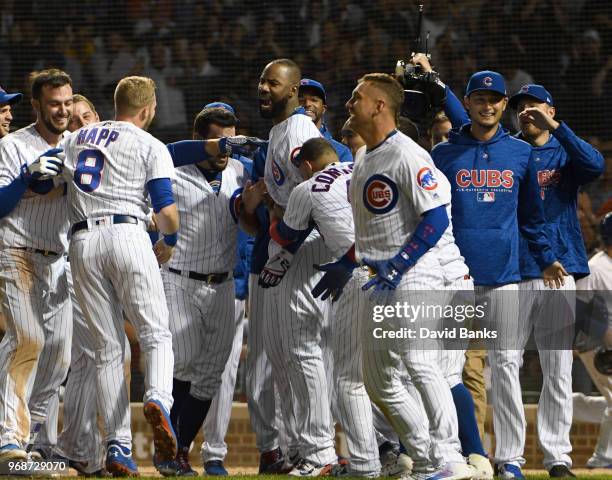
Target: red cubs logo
[
  {"x": 485, "y": 178},
  {"x": 277, "y": 174},
  {"x": 487, "y": 81},
  {"x": 426, "y": 179},
  {"x": 547, "y": 178},
  {"x": 380, "y": 194}
]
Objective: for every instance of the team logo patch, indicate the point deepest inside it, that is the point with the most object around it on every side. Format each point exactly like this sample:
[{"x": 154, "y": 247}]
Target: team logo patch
[
  {"x": 524, "y": 88},
  {"x": 380, "y": 194},
  {"x": 426, "y": 179},
  {"x": 487, "y": 197},
  {"x": 277, "y": 174},
  {"x": 294, "y": 156},
  {"x": 487, "y": 81}
]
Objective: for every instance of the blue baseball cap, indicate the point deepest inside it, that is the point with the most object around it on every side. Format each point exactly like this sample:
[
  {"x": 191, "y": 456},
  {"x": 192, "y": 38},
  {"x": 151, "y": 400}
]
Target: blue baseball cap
[
  {"x": 10, "y": 98},
  {"x": 533, "y": 91},
  {"x": 308, "y": 83},
  {"x": 486, "y": 80},
  {"x": 222, "y": 105}
]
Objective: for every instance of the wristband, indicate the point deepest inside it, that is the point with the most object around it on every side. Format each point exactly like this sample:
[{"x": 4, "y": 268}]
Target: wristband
[{"x": 170, "y": 239}]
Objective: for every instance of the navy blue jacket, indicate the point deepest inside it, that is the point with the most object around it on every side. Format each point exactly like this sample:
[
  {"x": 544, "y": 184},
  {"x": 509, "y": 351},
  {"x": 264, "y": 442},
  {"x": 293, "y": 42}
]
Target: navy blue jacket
[
  {"x": 244, "y": 248},
  {"x": 260, "y": 247},
  {"x": 494, "y": 195},
  {"x": 563, "y": 164}
]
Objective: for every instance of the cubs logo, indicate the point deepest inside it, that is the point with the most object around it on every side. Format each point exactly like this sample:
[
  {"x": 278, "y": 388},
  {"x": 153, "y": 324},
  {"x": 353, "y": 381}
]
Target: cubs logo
[
  {"x": 546, "y": 178},
  {"x": 487, "y": 81},
  {"x": 524, "y": 89},
  {"x": 484, "y": 178},
  {"x": 277, "y": 174},
  {"x": 426, "y": 179},
  {"x": 380, "y": 194}
]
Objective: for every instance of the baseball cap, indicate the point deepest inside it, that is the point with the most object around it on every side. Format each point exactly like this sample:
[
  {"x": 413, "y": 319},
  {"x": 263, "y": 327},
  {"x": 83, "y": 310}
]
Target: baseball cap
[
  {"x": 222, "y": 105},
  {"x": 486, "y": 80},
  {"x": 10, "y": 98},
  {"x": 307, "y": 82},
  {"x": 533, "y": 91}
]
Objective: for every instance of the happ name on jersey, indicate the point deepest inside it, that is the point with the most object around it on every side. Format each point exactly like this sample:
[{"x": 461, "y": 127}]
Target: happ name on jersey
[
  {"x": 97, "y": 135},
  {"x": 324, "y": 179}
]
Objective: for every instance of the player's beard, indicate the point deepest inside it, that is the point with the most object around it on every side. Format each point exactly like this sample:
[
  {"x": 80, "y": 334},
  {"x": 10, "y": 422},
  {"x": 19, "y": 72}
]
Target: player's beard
[
  {"x": 276, "y": 109},
  {"x": 48, "y": 123}
]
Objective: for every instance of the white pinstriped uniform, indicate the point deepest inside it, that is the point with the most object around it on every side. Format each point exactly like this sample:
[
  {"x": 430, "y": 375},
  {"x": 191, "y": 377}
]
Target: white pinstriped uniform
[
  {"x": 34, "y": 295},
  {"x": 218, "y": 417},
  {"x": 551, "y": 316},
  {"x": 294, "y": 319},
  {"x": 115, "y": 271},
  {"x": 324, "y": 200},
  {"x": 391, "y": 187},
  {"x": 202, "y": 319}
]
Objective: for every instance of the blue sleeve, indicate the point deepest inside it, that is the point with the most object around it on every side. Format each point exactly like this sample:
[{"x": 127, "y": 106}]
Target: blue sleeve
[
  {"x": 160, "y": 190},
  {"x": 531, "y": 220},
  {"x": 454, "y": 109},
  {"x": 426, "y": 234},
  {"x": 42, "y": 187},
  {"x": 585, "y": 161},
  {"x": 187, "y": 152},
  {"x": 10, "y": 196}
]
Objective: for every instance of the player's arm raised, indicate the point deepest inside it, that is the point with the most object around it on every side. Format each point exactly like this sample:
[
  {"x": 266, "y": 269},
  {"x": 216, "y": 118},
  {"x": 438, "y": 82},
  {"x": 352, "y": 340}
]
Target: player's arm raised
[
  {"x": 188, "y": 152},
  {"x": 531, "y": 222},
  {"x": 166, "y": 217}
]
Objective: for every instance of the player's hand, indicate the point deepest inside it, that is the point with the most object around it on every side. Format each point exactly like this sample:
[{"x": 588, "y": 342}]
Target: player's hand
[
  {"x": 538, "y": 118},
  {"x": 553, "y": 275},
  {"x": 422, "y": 60},
  {"x": 252, "y": 195},
  {"x": 275, "y": 269},
  {"x": 240, "y": 145},
  {"x": 163, "y": 252},
  {"x": 48, "y": 165},
  {"x": 337, "y": 275},
  {"x": 388, "y": 274}
]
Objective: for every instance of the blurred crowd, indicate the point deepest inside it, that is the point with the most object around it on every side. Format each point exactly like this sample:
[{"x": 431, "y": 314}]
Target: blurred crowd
[{"x": 203, "y": 50}]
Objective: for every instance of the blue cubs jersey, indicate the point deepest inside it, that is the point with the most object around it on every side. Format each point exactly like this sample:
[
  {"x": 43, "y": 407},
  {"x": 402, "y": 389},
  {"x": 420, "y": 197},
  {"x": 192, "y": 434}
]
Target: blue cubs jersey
[
  {"x": 244, "y": 248},
  {"x": 260, "y": 245},
  {"x": 494, "y": 195},
  {"x": 343, "y": 152}
]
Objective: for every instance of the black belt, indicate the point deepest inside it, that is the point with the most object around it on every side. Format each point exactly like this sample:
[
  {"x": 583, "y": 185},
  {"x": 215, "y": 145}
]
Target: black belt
[
  {"x": 116, "y": 219},
  {"x": 203, "y": 277},
  {"x": 45, "y": 253}
]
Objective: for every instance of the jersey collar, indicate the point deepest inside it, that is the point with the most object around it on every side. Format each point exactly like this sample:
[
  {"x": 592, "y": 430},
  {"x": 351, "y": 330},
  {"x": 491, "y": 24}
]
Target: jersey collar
[{"x": 393, "y": 132}]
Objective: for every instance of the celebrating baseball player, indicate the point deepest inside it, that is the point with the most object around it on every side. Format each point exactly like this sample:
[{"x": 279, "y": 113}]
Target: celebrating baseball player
[
  {"x": 35, "y": 351},
  {"x": 7, "y": 100},
  {"x": 110, "y": 168}
]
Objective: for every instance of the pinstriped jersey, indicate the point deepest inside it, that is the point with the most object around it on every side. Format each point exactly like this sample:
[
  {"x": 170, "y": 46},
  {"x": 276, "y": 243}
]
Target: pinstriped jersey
[
  {"x": 324, "y": 199},
  {"x": 38, "y": 221},
  {"x": 207, "y": 238},
  {"x": 108, "y": 165},
  {"x": 392, "y": 186},
  {"x": 286, "y": 139}
]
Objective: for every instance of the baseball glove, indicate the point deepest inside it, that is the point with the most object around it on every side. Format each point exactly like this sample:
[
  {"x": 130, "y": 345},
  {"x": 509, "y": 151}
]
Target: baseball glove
[{"x": 603, "y": 361}]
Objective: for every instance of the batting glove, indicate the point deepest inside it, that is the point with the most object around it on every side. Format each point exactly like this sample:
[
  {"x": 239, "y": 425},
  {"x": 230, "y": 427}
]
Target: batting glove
[
  {"x": 275, "y": 269},
  {"x": 337, "y": 275},
  {"x": 240, "y": 145},
  {"x": 48, "y": 165},
  {"x": 388, "y": 273}
]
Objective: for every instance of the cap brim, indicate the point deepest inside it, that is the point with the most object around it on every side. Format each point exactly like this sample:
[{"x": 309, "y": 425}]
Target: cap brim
[
  {"x": 11, "y": 98},
  {"x": 515, "y": 99}
]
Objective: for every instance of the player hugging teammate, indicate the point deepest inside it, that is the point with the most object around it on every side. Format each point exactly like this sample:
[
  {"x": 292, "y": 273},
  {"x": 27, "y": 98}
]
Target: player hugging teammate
[{"x": 339, "y": 232}]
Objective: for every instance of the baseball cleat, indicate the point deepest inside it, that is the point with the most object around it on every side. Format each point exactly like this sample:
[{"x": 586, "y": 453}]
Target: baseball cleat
[
  {"x": 305, "y": 468},
  {"x": 183, "y": 468},
  {"x": 484, "y": 470},
  {"x": 215, "y": 468},
  {"x": 164, "y": 437},
  {"x": 119, "y": 462},
  {"x": 81, "y": 468},
  {"x": 508, "y": 471},
  {"x": 274, "y": 462},
  {"x": 429, "y": 475},
  {"x": 560, "y": 471},
  {"x": 10, "y": 451},
  {"x": 595, "y": 462},
  {"x": 459, "y": 471}
]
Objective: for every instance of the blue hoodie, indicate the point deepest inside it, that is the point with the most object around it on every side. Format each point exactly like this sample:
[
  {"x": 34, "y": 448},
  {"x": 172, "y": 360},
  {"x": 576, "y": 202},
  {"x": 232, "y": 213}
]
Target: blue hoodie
[
  {"x": 563, "y": 164},
  {"x": 495, "y": 194}
]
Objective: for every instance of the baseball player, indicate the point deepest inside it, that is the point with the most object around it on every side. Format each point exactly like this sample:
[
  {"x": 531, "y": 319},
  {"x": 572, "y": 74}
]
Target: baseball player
[
  {"x": 393, "y": 185},
  {"x": 198, "y": 280},
  {"x": 110, "y": 168},
  {"x": 214, "y": 448},
  {"x": 35, "y": 351},
  {"x": 295, "y": 318},
  {"x": 312, "y": 98},
  {"x": 494, "y": 199},
  {"x": 7, "y": 100},
  {"x": 351, "y": 139},
  {"x": 325, "y": 191},
  {"x": 595, "y": 289}
]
